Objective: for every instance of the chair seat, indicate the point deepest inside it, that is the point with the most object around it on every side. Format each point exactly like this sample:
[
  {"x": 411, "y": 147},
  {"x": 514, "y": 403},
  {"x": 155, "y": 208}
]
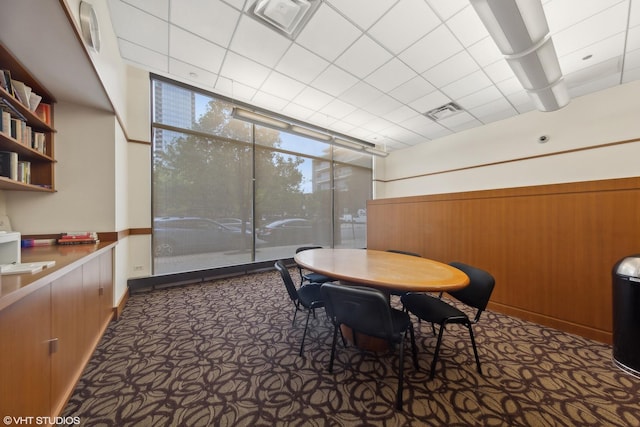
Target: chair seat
[
  {"x": 431, "y": 309},
  {"x": 309, "y": 296},
  {"x": 316, "y": 278}
]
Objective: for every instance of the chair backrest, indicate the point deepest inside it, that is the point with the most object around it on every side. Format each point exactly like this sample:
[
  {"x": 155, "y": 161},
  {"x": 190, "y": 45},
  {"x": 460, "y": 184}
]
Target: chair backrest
[
  {"x": 288, "y": 281},
  {"x": 479, "y": 290},
  {"x": 398, "y": 251},
  {"x": 363, "y": 309}
]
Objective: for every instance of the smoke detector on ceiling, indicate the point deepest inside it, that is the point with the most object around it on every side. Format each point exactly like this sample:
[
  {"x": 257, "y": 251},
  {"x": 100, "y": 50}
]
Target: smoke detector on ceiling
[{"x": 444, "y": 111}]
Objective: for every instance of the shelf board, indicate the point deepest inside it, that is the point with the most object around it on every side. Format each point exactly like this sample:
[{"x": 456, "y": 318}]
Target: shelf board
[{"x": 10, "y": 184}]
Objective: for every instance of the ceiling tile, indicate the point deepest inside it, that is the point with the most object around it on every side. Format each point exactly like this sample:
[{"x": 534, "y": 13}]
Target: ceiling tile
[
  {"x": 416, "y": 17},
  {"x": 382, "y": 105},
  {"x": 234, "y": 89},
  {"x": 196, "y": 76},
  {"x": 328, "y": 34},
  {"x": 481, "y": 97},
  {"x": 195, "y": 50},
  {"x": 297, "y": 111},
  {"x": 158, "y": 8},
  {"x": 195, "y": 16},
  {"x": 338, "y": 108},
  {"x": 451, "y": 69},
  {"x": 361, "y": 94},
  {"x": 485, "y": 52},
  {"x": 466, "y": 85},
  {"x": 467, "y": 26},
  {"x": 498, "y": 109},
  {"x": 562, "y": 14},
  {"x": 432, "y": 49},
  {"x": 499, "y": 71},
  {"x": 591, "y": 30},
  {"x": 412, "y": 90},
  {"x": 258, "y": 42},
  {"x": 312, "y": 98},
  {"x": 143, "y": 56},
  {"x": 363, "y": 57},
  {"x": 390, "y": 75},
  {"x": 446, "y": 9},
  {"x": 428, "y": 102},
  {"x": 269, "y": 102},
  {"x": 633, "y": 38},
  {"x": 283, "y": 86},
  {"x": 301, "y": 64},
  {"x": 334, "y": 81},
  {"x": 597, "y": 53},
  {"x": 362, "y": 12},
  {"x": 243, "y": 70},
  {"x": 358, "y": 118},
  {"x": 140, "y": 27},
  {"x": 634, "y": 16},
  {"x": 401, "y": 114}
]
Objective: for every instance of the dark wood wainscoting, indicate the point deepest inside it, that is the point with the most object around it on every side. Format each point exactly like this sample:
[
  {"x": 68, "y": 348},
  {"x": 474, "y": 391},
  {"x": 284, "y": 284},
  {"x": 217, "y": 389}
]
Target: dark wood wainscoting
[{"x": 551, "y": 248}]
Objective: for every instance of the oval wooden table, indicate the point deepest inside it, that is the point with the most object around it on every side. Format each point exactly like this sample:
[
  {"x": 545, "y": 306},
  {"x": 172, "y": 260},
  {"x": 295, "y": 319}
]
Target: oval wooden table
[
  {"x": 384, "y": 270},
  {"x": 387, "y": 271}
]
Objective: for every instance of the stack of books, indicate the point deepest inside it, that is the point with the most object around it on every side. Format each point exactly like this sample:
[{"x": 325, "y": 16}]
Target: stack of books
[{"x": 78, "y": 238}]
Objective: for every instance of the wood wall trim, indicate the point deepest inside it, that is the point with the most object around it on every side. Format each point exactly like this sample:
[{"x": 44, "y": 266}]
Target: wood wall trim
[
  {"x": 517, "y": 159},
  {"x": 550, "y": 247}
]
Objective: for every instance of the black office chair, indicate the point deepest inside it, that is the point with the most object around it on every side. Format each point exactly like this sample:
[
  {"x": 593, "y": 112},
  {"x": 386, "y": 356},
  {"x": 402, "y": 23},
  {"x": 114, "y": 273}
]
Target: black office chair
[
  {"x": 306, "y": 296},
  {"x": 311, "y": 277},
  {"x": 367, "y": 311},
  {"x": 398, "y": 251},
  {"x": 435, "y": 310}
]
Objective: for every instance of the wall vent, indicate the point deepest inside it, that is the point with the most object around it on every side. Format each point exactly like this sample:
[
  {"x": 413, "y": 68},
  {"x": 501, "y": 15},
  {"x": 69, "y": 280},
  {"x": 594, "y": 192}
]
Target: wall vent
[{"x": 444, "y": 111}]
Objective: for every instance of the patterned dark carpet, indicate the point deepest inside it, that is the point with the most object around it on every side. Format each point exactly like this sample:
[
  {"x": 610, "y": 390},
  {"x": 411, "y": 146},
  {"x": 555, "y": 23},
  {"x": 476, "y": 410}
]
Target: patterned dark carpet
[{"x": 225, "y": 353}]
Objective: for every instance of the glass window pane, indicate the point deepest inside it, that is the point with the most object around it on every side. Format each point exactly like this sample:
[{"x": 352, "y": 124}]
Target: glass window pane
[
  {"x": 227, "y": 192},
  {"x": 202, "y": 192},
  {"x": 292, "y": 210},
  {"x": 352, "y": 190}
]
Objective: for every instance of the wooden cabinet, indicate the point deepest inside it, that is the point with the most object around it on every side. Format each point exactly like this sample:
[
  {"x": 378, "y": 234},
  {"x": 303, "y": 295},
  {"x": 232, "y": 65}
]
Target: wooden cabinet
[
  {"x": 25, "y": 367},
  {"x": 39, "y": 155},
  {"x": 49, "y": 335}
]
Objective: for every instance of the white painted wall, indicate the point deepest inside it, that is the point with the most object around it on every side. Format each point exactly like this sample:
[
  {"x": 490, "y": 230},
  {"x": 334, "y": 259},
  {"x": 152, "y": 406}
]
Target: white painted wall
[
  {"x": 604, "y": 117},
  {"x": 84, "y": 200}
]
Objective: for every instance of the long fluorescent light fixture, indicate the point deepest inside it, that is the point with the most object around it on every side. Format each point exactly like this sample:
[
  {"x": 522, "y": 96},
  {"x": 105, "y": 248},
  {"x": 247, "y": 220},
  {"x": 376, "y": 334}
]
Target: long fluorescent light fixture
[
  {"x": 287, "y": 17},
  {"x": 307, "y": 130},
  {"x": 520, "y": 29}
]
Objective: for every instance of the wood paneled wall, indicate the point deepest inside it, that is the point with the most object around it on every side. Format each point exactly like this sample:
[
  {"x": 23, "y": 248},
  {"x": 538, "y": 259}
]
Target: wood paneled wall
[{"x": 551, "y": 248}]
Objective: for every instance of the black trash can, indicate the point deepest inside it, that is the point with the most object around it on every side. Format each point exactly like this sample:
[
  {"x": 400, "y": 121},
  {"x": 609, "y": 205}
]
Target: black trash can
[{"x": 626, "y": 314}]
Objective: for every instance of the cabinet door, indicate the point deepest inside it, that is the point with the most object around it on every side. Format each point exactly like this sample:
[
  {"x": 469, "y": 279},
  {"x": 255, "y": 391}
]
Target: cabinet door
[
  {"x": 25, "y": 329},
  {"x": 92, "y": 302},
  {"x": 69, "y": 328},
  {"x": 106, "y": 288}
]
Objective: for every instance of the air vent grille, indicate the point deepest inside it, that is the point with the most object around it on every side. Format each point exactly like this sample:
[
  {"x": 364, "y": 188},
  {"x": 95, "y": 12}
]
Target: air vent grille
[{"x": 444, "y": 111}]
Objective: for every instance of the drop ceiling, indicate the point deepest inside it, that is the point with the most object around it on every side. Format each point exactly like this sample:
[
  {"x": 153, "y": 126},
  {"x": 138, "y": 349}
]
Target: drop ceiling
[{"x": 372, "y": 69}]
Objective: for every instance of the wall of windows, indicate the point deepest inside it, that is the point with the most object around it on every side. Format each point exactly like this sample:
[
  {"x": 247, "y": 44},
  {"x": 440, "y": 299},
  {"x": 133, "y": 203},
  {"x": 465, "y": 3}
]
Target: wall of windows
[{"x": 227, "y": 192}]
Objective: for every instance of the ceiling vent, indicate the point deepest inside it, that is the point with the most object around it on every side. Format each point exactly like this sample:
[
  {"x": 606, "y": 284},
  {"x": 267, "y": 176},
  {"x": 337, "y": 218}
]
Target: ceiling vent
[
  {"x": 287, "y": 17},
  {"x": 444, "y": 111}
]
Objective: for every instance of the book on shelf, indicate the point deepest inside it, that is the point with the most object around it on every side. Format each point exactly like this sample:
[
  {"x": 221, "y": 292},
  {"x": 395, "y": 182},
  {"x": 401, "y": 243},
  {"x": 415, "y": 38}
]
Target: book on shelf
[
  {"x": 34, "y": 101},
  {"x": 5, "y": 81},
  {"x": 30, "y": 243},
  {"x": 78, "y": 237},
  {"x": 9, "y": 164},
  {"x": 43, "y": 112},
  {"x": 6, "y": 123},
  {"x": 24, "y": 172},
  {"x": 21, "y": 91}
]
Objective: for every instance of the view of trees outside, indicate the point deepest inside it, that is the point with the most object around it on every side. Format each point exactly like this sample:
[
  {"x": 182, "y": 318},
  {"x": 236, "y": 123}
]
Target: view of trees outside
[{"x": 227, "y": 192}]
